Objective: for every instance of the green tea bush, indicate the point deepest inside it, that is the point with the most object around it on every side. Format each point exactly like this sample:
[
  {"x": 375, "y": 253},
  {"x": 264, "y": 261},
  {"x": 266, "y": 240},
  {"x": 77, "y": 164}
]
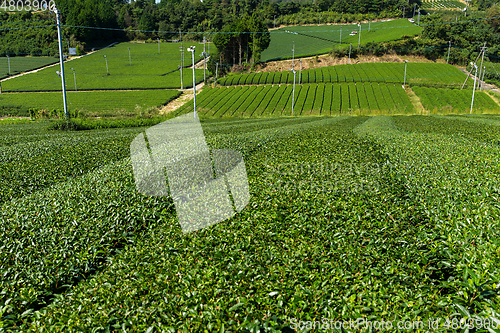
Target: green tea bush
[{"x": 386, "y": 218}]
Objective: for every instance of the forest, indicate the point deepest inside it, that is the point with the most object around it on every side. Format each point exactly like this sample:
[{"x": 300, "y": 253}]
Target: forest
[
  {"x": 145, "y": 19},
  {"x": 228, "y": 23}
]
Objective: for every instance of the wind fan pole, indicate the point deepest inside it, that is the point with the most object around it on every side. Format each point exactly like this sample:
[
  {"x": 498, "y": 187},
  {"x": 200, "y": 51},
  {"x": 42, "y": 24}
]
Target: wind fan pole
[
  {"x": 300, "y": 69},
  {"x": 293, "y": 91},
  {"x": 483, "y": 49},
  {"x": 473, "y": 89},
  {"x": 204, "y": 61},
  {"x": 182, "y": 57},
  {"x": 62, "y": 64},
  {"x": 192, "y": 50},
  {"x": 482, "y": 79},
  {"x": 449, "y": 48}
]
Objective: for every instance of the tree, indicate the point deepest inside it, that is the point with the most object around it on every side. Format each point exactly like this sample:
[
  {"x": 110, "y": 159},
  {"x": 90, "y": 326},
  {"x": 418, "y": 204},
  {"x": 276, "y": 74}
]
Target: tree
[
  {"x": 246, "y": 38},
  {"x": 90, "y": 13}
]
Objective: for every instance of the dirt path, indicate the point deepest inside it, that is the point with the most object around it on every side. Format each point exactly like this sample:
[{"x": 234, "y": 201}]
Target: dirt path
[
  {"x": 327, "y": 60},
  {"x": 201, "y": 64},
  {"x": 187, "y": 95},
  {"x": 415, "y": 100},
  {"x": 486, "y": 86}
]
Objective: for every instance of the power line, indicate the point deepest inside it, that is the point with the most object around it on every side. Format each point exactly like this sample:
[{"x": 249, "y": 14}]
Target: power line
[
  {"x": 268, "y": 32},
  {"x": 23, "y": 28}
]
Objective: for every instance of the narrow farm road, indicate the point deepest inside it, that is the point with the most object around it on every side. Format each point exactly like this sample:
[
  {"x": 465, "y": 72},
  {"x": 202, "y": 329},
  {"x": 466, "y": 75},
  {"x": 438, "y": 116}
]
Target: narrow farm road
[
  {"x": 486, "y": 86},
  {"x": 187, "y": 95}
]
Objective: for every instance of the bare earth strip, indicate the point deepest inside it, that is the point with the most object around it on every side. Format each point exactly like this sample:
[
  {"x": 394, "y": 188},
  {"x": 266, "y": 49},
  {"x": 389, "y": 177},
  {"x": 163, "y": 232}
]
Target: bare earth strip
[
  {"x": 327, "y": 60},
  {"x": 187, "y": 95},
  {"x": 415, "y": 100}
]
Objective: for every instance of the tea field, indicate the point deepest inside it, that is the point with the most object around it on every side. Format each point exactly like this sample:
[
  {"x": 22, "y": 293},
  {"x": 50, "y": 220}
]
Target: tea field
[
  {"x": 442, "y": 4},
  {"x": 98, "y": 103},
  {"x": 23, "y": 64},
  {"x": 426, "y": 74},
  {"x": 319, "y": 39},
  {"x": 454, "y": 100},
  {"x": 146, "y": 69},
  {"x": 368, "y": 98},
  {"x": 383, "y": 218},
  {"x": 310, "y": 99}
]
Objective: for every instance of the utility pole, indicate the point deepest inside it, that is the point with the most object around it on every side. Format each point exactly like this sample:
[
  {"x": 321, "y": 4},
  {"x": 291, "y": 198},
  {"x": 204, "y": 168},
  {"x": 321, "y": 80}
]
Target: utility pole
[
  {"x": 350, "y": 45},
  {"x": 483, "y": 50},
  {"x": 74, "y": 77},
  {"x": 403, "y": 11},
  {"x": 274, "y": 21},
  {"x": 414, "y": 7},
  {"x": 449, "y": 48},
  {"x": 293, "y": 92},
  {"x": 359, "y": 40},
  {"x": 473, "y": 89},
  {"x": 182, "y": 58},
  {"x": 216, "y": 70},
  {"x": 129, "y": 58},
  {"x": 65, "y": 102},
  {"x": 404, "y": 80},
  {"x": 482, "y": 79},
  {"x": 369, "y": 24},
  {"x": 293, "y": 70},
  {"x": 191, "y": 49},
  {"x": 471, "y": 69},
  {"x": 205, "y": 61},
  {"x": 418, "y": 19},
  {"x": 300, "y": 70},
  {"x": 8, "y": 60},
  {"x": 107, "y": 70}
]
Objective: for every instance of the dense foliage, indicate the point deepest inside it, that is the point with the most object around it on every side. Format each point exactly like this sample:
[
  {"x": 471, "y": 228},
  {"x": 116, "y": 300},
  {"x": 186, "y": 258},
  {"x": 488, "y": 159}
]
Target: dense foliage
[
  {"x": 25, "y": 33},
  {"x": 90, "y": 13},
  {"x": 466, "y": 37},
  {"x": 242, "y": 39}
]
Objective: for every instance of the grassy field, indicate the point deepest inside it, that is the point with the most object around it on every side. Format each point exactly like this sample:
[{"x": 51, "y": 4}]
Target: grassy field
[
  {"x": 319, "y": 39},
  {"x": 310, "y": 99},
  {"x": 97, "y": 103},
  {"x": 148, "y": 69},
  {"x": 426, "y": 74},
  {"x": 386, "y": 218},
  {"x": 23, "y": 64}
]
